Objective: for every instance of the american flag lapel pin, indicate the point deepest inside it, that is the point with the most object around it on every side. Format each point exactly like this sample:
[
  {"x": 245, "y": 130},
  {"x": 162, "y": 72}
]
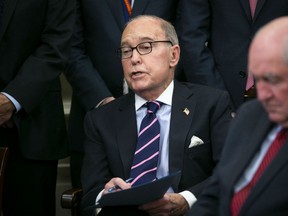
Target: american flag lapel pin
[{"x": 186, "y": 111}]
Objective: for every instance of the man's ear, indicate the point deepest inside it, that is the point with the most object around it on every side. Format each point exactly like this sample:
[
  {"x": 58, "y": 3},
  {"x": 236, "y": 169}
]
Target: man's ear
[{"x": 175, "y": 55}]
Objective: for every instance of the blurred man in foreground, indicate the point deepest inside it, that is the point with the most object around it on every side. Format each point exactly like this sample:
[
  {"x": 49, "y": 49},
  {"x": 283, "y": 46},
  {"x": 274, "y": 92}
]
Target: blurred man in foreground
[{"x": 251, "y": 178}]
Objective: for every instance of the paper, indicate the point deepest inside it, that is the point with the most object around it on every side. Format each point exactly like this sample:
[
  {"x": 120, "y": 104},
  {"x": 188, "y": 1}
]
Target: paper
[{"x": 140, "y": 194}]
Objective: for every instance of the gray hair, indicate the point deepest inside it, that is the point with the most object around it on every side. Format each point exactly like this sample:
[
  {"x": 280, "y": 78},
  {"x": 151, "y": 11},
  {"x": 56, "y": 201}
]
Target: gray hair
[{"x": 166, "y": 26}]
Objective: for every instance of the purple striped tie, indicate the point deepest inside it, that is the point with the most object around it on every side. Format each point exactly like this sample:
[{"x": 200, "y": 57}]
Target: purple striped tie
[{"x": 144, "y": 167}]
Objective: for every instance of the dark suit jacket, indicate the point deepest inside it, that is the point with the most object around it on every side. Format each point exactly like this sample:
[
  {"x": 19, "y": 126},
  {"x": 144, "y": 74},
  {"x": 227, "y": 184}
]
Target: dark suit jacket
[
  {"x": 112, "y": 136},
  {"x": 270, "y": 195},
  {"x": 95, "y": 70},
  {"x": 228, "y": 28},
  {"x": 33, "y": 52}
]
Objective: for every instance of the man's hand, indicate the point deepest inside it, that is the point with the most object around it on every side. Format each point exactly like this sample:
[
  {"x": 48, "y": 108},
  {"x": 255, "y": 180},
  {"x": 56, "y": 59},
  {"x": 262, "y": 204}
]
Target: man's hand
[
  {"x": 118, "y": 183},
  {"x": 6, "y": 111},
  {"x": 107, "y": 100},
  {"x": 104, "y": 101},
  {"x": 172, "y": 204}
]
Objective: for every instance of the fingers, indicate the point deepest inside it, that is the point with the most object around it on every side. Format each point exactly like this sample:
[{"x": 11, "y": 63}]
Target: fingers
[
  {"x": 6, "y": 110},
  {"x": 172, "y": 204},
  {"x": 8, "y": 124},
  {"x": 5, "y": 120},
  {"x": 116, "y": 184},
  {"x": 107, "y": 100},
  {"x": 158, "y": 207},
  {"x": 180, "y": 205}
]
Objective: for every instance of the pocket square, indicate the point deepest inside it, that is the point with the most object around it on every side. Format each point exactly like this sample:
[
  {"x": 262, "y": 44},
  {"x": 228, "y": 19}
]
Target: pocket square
[{"x": 195, "y": 141}]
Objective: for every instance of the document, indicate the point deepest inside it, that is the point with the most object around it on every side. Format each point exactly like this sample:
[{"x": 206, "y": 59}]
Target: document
[{"x": 140, "y": 194}]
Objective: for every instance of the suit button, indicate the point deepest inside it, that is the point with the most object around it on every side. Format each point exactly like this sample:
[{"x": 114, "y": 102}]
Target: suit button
[{"x": 242, "y": 74}]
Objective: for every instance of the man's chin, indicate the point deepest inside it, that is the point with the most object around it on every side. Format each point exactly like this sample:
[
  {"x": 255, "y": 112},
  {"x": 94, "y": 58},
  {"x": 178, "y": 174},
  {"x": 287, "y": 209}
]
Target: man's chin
[
  {"x": 279, "y": 119},
  {"x": 139, "y": 86}
]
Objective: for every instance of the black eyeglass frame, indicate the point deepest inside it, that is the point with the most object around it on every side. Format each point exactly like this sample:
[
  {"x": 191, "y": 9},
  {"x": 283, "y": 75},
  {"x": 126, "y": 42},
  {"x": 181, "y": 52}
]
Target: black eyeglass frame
[{"x": 130, "y": 49}]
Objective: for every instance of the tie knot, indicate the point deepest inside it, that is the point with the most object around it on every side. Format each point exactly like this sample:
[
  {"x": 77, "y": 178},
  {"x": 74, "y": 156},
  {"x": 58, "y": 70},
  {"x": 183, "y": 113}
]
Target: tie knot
[{"x": 153, "y": 106}]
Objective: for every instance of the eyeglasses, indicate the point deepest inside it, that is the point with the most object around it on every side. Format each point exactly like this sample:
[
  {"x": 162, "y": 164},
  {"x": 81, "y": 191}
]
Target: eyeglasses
[{"x": 143, "y": 48}]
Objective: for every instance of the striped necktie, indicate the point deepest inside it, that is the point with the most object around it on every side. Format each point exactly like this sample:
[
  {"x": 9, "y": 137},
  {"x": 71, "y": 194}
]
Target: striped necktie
[
  {"x": 144, "y": 166},
  {"x": 127, "y": 9},
  {"x": 240, "y": 197}
]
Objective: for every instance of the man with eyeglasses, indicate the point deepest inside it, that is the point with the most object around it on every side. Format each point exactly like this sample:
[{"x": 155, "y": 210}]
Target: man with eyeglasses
[
  {"x": 95, "y": 72},
  {"x": 193, "y": 123}
]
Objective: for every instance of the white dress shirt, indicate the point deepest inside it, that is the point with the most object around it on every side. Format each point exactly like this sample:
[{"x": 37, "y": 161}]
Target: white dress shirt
[
  {"x": 13, "y": 100},
  {"x": 164, "y": 116}
]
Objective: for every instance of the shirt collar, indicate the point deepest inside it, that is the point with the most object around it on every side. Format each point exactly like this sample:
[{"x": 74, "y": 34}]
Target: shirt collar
[{"x": 165, "y": 97}]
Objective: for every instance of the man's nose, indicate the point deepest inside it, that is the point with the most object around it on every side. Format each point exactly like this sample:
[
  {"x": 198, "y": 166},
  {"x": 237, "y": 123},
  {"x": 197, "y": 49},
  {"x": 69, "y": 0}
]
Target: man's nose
[{"x": 135, "y": 56}]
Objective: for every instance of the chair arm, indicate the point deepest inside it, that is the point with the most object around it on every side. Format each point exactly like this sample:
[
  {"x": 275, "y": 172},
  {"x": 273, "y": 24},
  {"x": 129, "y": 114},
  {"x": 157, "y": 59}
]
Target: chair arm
[{"x": 70, "y": 199}]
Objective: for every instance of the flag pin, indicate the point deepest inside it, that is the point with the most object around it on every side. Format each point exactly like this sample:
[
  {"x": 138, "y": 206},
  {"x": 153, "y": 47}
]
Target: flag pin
[{"x": 186, "y": 111}]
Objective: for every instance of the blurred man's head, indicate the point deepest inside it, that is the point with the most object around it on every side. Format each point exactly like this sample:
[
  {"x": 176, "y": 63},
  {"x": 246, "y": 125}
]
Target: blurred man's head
[
  {"x": 268, "y": 62},
  {"x": 149, "y": 66}
]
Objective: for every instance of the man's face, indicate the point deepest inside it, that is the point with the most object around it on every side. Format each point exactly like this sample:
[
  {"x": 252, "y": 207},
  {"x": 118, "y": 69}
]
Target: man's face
[
  {"x": 271, "y": 75},
  {"x": 148, "y": 75}
]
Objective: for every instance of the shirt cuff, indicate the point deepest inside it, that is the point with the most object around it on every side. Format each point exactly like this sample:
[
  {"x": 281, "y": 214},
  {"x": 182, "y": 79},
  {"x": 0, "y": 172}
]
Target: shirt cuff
[
  {"x": 97, "y": 199},
  {"x": 189, "y": 197},
  {"x": 13, "y": 100}
]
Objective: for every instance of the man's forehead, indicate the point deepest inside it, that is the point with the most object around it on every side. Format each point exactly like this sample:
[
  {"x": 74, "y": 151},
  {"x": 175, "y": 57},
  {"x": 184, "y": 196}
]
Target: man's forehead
[
  {"x": 138, "y": 38},
  {"x": 144, "y": 21},
  {"x": 143, "y": 26},
  {"x": 142, "y": 34}
]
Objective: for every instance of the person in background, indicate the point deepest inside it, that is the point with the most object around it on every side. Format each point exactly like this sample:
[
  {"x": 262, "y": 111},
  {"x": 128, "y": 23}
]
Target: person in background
[
  {"x": 251, "y": 177},
  {"x": 193, "y": 123},
  {"x": 95, "y": 71},
  {"x": 215, "y": 37},
  {"x": 34, "y": 48}
]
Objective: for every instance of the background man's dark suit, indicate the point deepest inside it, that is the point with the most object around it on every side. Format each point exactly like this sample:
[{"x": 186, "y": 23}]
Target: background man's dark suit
[
  {"x": 228, "y": 27},
  {"x": 95, "y": 71},
  {"x": 270, "y": 190},
  {"x": 34, "y": 47},
  {"x": 112, "y": 134}
]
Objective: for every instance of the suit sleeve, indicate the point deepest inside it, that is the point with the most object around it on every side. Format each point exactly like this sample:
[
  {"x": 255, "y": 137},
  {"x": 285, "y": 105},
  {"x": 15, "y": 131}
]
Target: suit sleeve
[
  {"x": 40, "y": 71},
  {"x": 194, "y": 32},
  {"x": 87, "y": 84},
  {"x": 95, "y": 167},
  {"x": 207, "y": 202}
]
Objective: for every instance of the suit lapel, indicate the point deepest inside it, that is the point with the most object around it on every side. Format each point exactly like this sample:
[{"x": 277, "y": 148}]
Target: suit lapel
[
  {"x": 259, "y": 6},
  {"x": 8, "y": 11},
  {"x": 139, "y": 7},
  {"x": 251, "y": 144},
  {"x": 182, "y": 98},
  {"x": 246, "y": 6},
  {"x": 274, "y": 168},
  {"x": 244, "y": 155},
  {"x": 117, "y": 11},
  {"x": 127, "y": 136}
]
